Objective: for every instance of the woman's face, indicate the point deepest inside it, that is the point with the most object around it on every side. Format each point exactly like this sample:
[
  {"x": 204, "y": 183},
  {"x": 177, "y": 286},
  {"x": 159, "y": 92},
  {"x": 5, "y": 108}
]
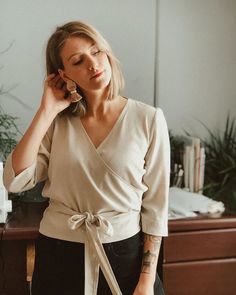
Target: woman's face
[{"x": 85, "y": 64}]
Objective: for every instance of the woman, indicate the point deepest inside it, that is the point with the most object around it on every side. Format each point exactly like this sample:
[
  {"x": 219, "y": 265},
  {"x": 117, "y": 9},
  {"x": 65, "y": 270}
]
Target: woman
[{"x": 105, "y": 162}]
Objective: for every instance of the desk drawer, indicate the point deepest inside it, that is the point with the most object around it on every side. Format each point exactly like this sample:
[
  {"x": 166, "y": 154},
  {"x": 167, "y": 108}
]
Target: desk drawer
[
  {"x": 189, "y": 246},
  {"x": 210, "y": 277}
]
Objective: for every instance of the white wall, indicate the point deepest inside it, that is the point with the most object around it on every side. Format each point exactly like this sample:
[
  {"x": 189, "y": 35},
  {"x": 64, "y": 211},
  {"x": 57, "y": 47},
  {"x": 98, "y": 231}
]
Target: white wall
[
  {"x": 128, "y": 25},
  {"x": 196, "y": 53},
  {"x": 196, "y": 62}
]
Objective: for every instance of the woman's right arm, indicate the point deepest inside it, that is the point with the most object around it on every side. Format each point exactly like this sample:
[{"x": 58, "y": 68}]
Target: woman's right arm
[{"x": 52, "y": 103}]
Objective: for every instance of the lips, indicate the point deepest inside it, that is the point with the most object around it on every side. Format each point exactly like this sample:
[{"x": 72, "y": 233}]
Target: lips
[{"x": 97, "y": 75}]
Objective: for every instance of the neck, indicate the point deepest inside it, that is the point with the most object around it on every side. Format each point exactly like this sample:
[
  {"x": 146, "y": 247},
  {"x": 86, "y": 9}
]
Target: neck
[{"x": 98, "y": 104}]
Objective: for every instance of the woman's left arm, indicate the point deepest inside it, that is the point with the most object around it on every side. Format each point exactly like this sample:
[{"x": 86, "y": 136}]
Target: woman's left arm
[
  {"x": 154, "y": 209},
  {"x": 151, "y": 249}
]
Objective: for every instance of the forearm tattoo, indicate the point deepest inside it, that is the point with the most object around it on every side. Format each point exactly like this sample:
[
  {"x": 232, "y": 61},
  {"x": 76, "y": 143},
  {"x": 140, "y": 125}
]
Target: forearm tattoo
[
  {"x": 155, "y": 241},
  {"x": 150, "y": 255}
]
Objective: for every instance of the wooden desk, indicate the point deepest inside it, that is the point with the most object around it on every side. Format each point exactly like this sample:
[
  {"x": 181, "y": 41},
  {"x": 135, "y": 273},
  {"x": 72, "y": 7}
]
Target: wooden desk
[{"x": 199, "y": 256}]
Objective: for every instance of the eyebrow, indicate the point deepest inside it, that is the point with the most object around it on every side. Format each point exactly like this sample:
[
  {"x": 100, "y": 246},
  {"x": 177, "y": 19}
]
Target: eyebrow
[{"x": 79, "y": 52}]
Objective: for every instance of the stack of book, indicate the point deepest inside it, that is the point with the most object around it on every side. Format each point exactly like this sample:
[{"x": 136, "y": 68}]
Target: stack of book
[{"x": 194, "y": 166}]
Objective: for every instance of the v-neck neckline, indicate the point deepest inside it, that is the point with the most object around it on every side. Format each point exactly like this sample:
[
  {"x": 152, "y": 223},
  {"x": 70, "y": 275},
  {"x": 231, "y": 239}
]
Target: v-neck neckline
[{"x": 121, "y": 115}]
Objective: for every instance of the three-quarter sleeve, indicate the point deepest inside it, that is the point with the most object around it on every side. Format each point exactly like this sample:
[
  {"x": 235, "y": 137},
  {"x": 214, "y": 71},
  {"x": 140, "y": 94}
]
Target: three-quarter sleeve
[
  {"x": 154, "y": 211},
  {"x": 36, "y": 172}
]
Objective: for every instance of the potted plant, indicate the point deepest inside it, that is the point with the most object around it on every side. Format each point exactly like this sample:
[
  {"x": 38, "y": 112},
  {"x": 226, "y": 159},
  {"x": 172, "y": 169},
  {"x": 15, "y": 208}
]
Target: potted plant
[
  {"x": 9, "y": 133},
  {"x": 220, "y": 166}
]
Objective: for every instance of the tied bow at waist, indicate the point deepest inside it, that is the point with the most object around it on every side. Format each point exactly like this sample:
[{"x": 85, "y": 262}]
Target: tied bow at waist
[
  {"x": 99, "y": 221},
  {"x": 95, "y": 255}
]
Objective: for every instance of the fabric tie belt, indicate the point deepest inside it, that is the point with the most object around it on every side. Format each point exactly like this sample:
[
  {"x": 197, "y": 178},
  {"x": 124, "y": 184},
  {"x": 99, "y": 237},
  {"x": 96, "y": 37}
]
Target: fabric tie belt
[{"x": 95, "y": 255}]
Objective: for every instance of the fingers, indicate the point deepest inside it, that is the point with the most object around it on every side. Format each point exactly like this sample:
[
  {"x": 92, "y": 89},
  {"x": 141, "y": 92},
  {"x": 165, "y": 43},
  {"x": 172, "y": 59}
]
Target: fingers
[
  {"x": 59, "y": 83},
  {"x": 54, "y": 80},
  {"x": 49, "y": 78}
]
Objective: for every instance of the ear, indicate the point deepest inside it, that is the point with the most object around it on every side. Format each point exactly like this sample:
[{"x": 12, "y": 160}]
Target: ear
[{"x": 63, "y": 75}]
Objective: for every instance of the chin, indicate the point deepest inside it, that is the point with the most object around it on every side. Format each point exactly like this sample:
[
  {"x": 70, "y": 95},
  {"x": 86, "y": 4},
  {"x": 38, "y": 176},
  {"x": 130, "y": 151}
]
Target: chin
[{"x": 102, "y": 84}]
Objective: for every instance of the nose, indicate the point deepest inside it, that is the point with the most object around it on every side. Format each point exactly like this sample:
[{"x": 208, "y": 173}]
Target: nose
[
  {"x": 92, "y": 64},
  {"x": 93, "y": 68}
]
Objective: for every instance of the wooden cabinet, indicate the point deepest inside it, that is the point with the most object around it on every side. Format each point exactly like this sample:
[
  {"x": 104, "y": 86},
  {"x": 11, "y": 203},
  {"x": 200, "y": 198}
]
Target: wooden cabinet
[
  {"x": 16, "y": 236},
  {"x": 199, "y": 256}
]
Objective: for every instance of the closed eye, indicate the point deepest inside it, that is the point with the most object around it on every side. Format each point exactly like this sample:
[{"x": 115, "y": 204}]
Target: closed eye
[
  {"x": 96, "y": 52},
  {"x": 78, "y": 62}
]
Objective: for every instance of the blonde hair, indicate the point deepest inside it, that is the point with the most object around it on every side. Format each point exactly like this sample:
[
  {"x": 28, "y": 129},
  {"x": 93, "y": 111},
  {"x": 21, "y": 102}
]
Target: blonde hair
[{"x": 54, "y": 61}]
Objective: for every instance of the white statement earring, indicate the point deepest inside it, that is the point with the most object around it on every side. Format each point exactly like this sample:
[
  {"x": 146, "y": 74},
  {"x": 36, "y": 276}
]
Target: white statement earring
[{"x": 71, "y": 87}]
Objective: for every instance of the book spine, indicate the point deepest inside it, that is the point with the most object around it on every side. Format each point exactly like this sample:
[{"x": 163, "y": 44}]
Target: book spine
[
  {"x": 202, "y": 169},
  {"x": 191, "y": 168},
  {"x": 196, "y": 144}
]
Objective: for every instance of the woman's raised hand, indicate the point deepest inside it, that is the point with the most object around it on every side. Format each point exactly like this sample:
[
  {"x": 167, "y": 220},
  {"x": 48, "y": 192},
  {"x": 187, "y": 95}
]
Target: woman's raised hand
[{"x": 53, "y": 99}]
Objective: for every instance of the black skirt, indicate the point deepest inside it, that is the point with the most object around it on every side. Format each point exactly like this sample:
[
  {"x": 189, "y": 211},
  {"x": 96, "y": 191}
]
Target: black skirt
[{"x": 59, "y": 267}]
